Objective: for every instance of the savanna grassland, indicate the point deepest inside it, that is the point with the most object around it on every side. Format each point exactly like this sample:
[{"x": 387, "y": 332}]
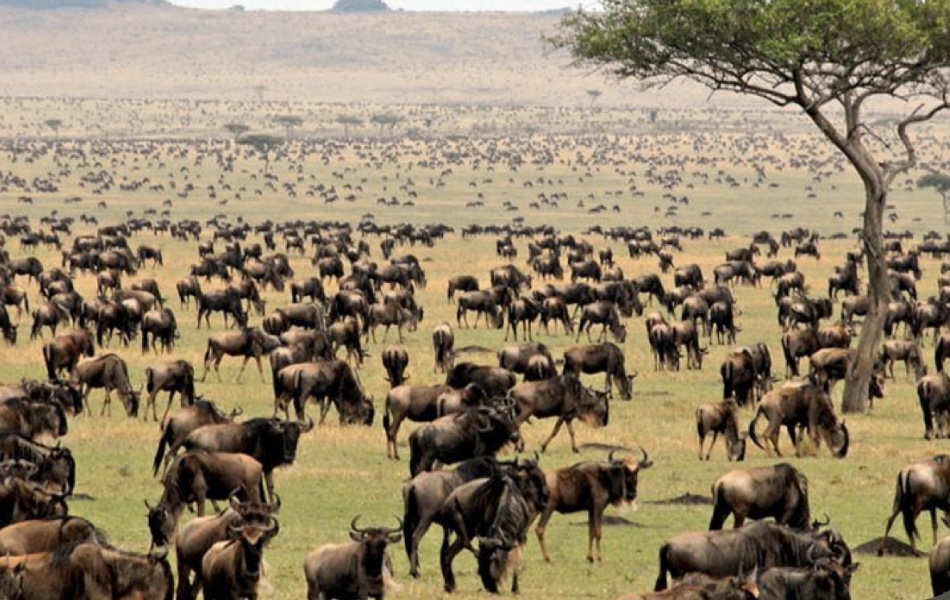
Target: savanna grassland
[{"x": 142, "y": 97}]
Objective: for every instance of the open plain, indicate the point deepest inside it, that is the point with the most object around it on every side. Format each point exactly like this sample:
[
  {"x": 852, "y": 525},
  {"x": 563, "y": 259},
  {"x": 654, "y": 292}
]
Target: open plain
[{"x": 491, "y": 141}]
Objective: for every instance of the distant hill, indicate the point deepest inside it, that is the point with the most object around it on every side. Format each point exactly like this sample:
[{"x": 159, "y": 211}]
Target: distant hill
[
  {"x": 360, "y": 6},
  {"x": 54, "y": 4}
]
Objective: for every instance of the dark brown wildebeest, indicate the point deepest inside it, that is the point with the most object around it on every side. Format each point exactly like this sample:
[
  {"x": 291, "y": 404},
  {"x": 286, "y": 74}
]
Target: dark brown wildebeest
[
  {"x": 232, "y": 568},
  {"x": 554, "y": 308},
  {"x": 170, "y": 376},
  {"x": 482, "y": 303},
  {"x": 151, "y": 286},
  {"x": 461, "y": 283},
  {"x": 248, "y": 343},
  {"x": 601, "y": 358},
  {"x": 722, "y": 321},
  {"x": 223, "y": 301},
  {"x": 907, "y": 351},
  {"x": 762, "y": 544},
  {"x": 797, "y": 343},
  {"x": 109, "y": 372},
  {"x": 292, "y": 355},
  {"x": 697, "y": 586},
  {"x": 933, "y": 393},
  {"x": 443, "y": 347},
  {"x": 327, "y": 382},
  {"x": 416, "y": 403},
  {"x": 921, "y": 486},
  {"x": 311, "y": 288},
  {"x": 271, "y": 442},
  {"x": 516, "y": 357},
  {"x": 8, "y": 329},
  {"x": 824, "y": 580},
  {"x": 360, "y": 568},
  {"x": 831, "y": 365},
  {"x": 479, "y": 431},
  {"x": 163, "y": 326},
  {"x": 13, "y": 295},
  {"x": 779, "y": 491},
  {"x": 425, "y": 493},
  {"x": 605, "y": 313},
  {"x": 22, "y": 500},
  {"x": 940, "y": 566},
  {"x": 495, "y": 381},
  {"x": 395, "y": 360},
  {"x": 54, "y": 466},
  {"x": 525, "y": 311},
  {"x": 801, "y": 405},
  {"x": 941, "y": 351},
  {"x": 305, "y": 314},
  {"x": 195, "y": 477},
  {"x": 177, "y": 426},
  {"x": 561, "y": 396},
  {"x": 721, "y": 418},
  {"x": 586, "y": 269},
  {"x": 29, "y": 266},
  {"x": 188, "y": 287},
  {"x": 46, "y": 535},
  {"x": 65, "y": 350},
  {"x": 845, "y": 279},
  {"x": 686, "y": 333},
  {"x": 746, "y": 373},
  {"x": 346, "y": 333},
  {"x": 389, "y": 314},
  {"x": 50, "y": 314},
  {"x": 198, "y": 535},
  {"x": 590, "y": 486}
]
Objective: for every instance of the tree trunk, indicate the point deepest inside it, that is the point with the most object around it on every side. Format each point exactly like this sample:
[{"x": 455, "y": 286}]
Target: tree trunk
[{"x": 856, "y": 385}]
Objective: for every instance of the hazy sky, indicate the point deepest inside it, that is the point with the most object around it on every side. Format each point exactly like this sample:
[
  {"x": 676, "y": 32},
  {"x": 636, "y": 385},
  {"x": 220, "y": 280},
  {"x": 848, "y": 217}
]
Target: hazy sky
[{"x": 512, "y": 5}]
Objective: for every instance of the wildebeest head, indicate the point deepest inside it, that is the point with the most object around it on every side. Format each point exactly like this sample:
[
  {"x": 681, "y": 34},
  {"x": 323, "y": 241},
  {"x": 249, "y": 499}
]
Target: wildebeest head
[
  {"x": 373, "y": 542},
  {"x": 130, "y": 400},
  {"x": 531, "y": 481},
  {"x": 594, "y": 408},
  {"x": 34, "y": 501},
  {"x": 497, "y": 556},
  {"x": 285, "y": 435},
  {"x": 829, "y": 544},
  {"x": 253, "y": 537},
  {"x": 161, "y": 524},
  {"x": 623, "y": 476}
]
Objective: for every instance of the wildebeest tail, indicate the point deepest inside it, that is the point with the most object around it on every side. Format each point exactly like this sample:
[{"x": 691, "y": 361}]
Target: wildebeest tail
[
  {"x": 160, "y": 451},
  {"x": 410, "y": 519},
  {"x": 144, "y": 340},
  {"x": 903, "y": 499},
  {"x": 752, "y": 434},
  {"x": 208, "y": 352},
  {"x": 664, "y": 567},
  {"x": 190, "y": 384},
  {"x": 48, "y": 359},
  {"x": 386, "y": 420},
  {"x": 149, "y": 380}
]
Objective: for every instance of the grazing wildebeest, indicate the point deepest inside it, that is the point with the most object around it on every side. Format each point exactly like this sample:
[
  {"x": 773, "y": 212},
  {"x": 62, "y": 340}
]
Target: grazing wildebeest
[
  {"x": 233, "y": 568},
  {"x": 395, "y": 360},
  {"x": 797, "y": 343},
  {"x": 360, "y": 568},
  {"x": 605, "y": 313},
  {"x": 824, "y": 580},
  {"x": 151, "y": 286},
  {"x": 561, "y": 396},
  {"x": 50, "y": 314},
  {"x": 13, "y": 295},
  {"x": 170, "y": 376},
  {"x": 801, "y": 405},
  {"x": 443, "y": 346},
  {"x": 163, "y": 326},
  {"x": 389, "y": 314},
  {"x": 425, "y": 493},
  {"x": 746, "y": 373},
  {"x": 779, "y": 491},
  {"x": 601, "y": 358},
  {"x": 249, "y": 343},
  {"x": 416, "y": 403},
  {"x": 479, "y": 431},
  {"x": 921, "y": 486},
  {"x": 109, "y": 372},
  {"x": 759, "y": 545},
  {"x": 721, "y": 417},
  {"x": 327, "y": 382},
  {"x": 495, "y": 381},
  {"x": 223, "y": 301},
  {"x": 482, "y": 303},
  {"x": 590, "y": 486},
  {"x": 461, "y": 283},
  {"x": 188, "y": 287},
  {"x": 65, "y": 350},
  {"x": 271, "y": 442},
  {"x": 177, "y": 426},
  {"x": 195, "y": 477}
]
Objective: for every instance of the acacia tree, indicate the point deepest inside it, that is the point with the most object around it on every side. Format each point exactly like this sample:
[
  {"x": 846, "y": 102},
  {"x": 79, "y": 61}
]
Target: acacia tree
[
  {"x": 827, "y": 58},
  {"x": 941, "y": 183},
  {"x": 263, "y": 143}
]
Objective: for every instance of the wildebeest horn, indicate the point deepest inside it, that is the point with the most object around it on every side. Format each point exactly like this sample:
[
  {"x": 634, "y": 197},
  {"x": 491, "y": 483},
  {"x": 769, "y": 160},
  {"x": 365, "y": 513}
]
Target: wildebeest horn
[
  {"x": 353, "y": 526},
  {"x": 161, "y": 555},
  {"x": 634, "y": 376},
  {"x": 482, "y": 417},
  {"x": 645, "y": 462},
  {"x": 826, "y": 522},
  {"x": 306, "y": 427},
  {"x": 810, "y": 555},
  {"x": 273, "y": 527},
  {"x": 274, "y": 507},
  {"x": 236, "y": 529},
  {"x": 148, "y": 506},
  {"x": 610, "y": 456}
]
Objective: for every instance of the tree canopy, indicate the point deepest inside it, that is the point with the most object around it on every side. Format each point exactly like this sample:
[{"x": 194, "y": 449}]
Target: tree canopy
[
  {"x": 360, "y": 6},
  {"x": 827, "y": 58},
  {"x": 263, "y": 143}
]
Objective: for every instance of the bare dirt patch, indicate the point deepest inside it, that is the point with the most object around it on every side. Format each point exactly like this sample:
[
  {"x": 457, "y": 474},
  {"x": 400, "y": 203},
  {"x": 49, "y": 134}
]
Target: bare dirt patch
[
  {"x": 686, "y": 499},
  {"x": 887, "y": 547}
]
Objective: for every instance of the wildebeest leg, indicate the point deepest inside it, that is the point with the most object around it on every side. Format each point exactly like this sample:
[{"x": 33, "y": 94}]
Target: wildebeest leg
[
  {"x": 542, "y": 525},
  {"x": 447, "y": 555},
  {"x": 593, "y": 533},
  {"x": 241, "y": 372},
  {"x": 933, "y": 522},
  {"x": 796, "y": 440},
  {"x": 771, "y": 435},
  {"x": 85, "y": 399},
  {"x": 151, "y": 402},
  {"x": 713, "y": 443},
  {"x": 168, "y": 406},
  {"x": 107, "y": 403},
  {"x": 417, "y": 535},
  {"x": 260, "y": 369},
  {"x": 557, "y": 428}
]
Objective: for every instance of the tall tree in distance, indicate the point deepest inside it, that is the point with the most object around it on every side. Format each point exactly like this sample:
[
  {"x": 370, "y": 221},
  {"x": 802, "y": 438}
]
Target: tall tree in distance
[
  {"x": 289, "y": 123},
  {"x": 54, "y": 124},
  {"x": 941, "y": 183},
  {"x": 829, "y": 59},
  {"x": 236, "y": 129},
  {"x": 348, "y": 121},
  {"x": 263, "y": 143}
]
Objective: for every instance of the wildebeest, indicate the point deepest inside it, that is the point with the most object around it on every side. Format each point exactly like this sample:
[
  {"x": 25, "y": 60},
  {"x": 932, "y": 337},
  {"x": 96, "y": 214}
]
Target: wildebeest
[
  {"x": 517, "y": 357},
  {"x": 195, "y": 477},
  {"x": 721, "y": 418},
  {"x": 921, "y": 486},
  {"x": 416, "y": 403},
  {"x": 561, "y": 396},
  {"x": 50, "y": 314},
  {"x": 759, "y": 545},
  {"x": 248, "y": 343},
  {"x": 601, "y": 358},
  {"x": 177, "y": 426},
  {"x": 525, "y": 311},
  {"x": 479, "y": 431},
  {"x": 389, "y": 314},
  {"x": 163, "y": 326},
  {"x": 495, "y": 381},
  {"x": 226, "y": 302},
  {"x": 461, "y": 283},
  {"x": 940, "y": 566},
  {"x": 327, "y": 382},
  {"x": 188, "y": 287},
  {"x": 696, "y": 586},
  {"x": 801, "y": 405},
  {"x": 109, "y": 372},
  {"x": 311, "y": 288},
  {"x": 590, "y": 486},
  {"x": 907, "y": 351},
  {"x": 482, "y": 303},
  {"x": 272, "y": 442},
  {"x": 779, "y": 491},
  {"x": 746, "y": 372},
  {"x": 605, "y": 313},
  {"x": 830, "y": 365},
  {"x": 170, "y": 376},
  {"x": 824, "y": 580},
  {"x": 933, "y": 393},
  {"x": 360, "y": 568},
  {"x": 346, "y": 333},
  {"x": 443, "y": 346},
  {"x": 46, "y": 535},
  {"x": 233, "y": 568},
  {"x": 395, "y": 360},
  {"x": 65, "y": 350}
]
